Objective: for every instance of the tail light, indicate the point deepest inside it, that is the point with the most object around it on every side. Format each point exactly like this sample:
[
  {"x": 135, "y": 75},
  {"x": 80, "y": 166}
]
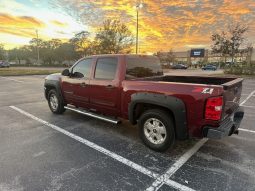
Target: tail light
[{"x": 213, "y": 108}]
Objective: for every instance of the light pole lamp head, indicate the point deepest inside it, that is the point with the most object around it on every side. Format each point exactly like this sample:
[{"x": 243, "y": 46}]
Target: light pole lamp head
[{"x": 139, "y": 6}]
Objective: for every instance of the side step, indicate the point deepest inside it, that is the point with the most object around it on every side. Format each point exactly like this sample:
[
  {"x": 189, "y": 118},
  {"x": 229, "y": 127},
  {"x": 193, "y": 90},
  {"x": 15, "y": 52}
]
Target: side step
[{"x": 90, "y": 114}]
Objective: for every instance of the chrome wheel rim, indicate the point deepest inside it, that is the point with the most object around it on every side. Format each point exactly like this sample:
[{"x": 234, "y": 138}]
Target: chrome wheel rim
[
  {"x": 53, "y": 102},
  {"x": 155, "y": 131}
]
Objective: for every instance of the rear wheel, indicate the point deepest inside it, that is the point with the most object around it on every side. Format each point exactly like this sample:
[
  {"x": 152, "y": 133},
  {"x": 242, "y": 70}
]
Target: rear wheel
[
  {"x": 55, "y": 102},
  {"x": 157, "y": 129}
]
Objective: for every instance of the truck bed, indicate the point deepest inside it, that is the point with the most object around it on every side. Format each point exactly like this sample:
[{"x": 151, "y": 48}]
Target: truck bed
[
  {"x": 192, "y": 79},
  {"x": 232, "y": 87}
]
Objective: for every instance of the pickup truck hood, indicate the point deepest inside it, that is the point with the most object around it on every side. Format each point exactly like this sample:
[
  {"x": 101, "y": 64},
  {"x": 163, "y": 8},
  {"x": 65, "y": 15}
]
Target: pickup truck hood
[{"x": 55, "y": 76}]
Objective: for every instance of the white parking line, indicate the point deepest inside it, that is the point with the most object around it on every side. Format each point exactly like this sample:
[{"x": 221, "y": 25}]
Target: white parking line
[
  {"x": 246, "y": 130},
  {"x": 177, "y": 165},
  {"x": 242, "y": 104},
  {"x": 177, "y": 185},
  {"x": 12, "y": 79},
  {"x": 249, "y": 96},
  {"x": 105, "y": 151}
]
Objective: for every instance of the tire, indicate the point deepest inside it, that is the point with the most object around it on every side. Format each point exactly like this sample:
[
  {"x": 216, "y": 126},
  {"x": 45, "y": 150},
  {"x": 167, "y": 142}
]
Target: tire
[
  {"x": 55, "y": 102},
  {"x": 150, "y": 123}
]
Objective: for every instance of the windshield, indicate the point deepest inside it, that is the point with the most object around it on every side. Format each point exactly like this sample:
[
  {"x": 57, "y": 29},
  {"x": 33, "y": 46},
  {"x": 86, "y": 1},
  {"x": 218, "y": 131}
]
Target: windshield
[{"x": 143, "y": 66}]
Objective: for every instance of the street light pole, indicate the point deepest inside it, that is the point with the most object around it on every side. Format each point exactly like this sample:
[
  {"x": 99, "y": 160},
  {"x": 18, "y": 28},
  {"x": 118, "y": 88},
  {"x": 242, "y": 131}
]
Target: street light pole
[
  {"x": 37, "y": 47},
  {"x": 137, "y": 25},
  {"x": 138, "y": 6}
]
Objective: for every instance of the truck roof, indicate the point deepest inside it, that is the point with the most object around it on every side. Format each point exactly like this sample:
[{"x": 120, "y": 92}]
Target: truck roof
[{"x": 110, "y": 55}]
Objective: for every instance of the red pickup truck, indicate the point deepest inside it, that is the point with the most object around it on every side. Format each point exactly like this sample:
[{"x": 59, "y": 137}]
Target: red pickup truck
[{"x": 133, "y": 87}]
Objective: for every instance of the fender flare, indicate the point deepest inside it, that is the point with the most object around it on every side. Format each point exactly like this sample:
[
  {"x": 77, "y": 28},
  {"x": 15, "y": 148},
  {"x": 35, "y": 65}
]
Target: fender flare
[
  {"x": 175, "y": 105},
  {"x": 55, "y": 84}
]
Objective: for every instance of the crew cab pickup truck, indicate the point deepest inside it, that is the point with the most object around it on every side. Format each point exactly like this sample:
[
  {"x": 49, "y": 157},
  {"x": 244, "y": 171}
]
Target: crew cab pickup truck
[{"x": 133, "y": 87}]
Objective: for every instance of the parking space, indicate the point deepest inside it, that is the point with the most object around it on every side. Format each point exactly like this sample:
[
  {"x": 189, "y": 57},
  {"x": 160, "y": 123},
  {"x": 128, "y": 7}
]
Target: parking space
[
  {"x": 42, "y": 159},
  {"x": 42, "y": 151}
]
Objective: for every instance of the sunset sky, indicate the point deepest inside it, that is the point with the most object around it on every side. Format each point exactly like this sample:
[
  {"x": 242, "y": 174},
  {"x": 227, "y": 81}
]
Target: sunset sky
[{"x": 164, "y": 24}]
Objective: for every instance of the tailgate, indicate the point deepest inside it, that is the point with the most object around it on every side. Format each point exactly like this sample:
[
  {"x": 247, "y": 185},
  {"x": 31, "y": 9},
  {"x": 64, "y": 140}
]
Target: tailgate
[{"x": 231, "y": 95}]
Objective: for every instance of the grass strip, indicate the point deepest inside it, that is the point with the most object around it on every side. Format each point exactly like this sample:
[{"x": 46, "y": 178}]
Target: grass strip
[{"x": 22, "y": 72}]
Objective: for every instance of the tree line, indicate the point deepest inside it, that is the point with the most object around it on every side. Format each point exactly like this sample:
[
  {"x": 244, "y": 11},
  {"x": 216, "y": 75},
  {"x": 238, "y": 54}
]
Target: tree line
[
  {"x": 231, "y": 42},
  {"x": 112, "y": 37}
]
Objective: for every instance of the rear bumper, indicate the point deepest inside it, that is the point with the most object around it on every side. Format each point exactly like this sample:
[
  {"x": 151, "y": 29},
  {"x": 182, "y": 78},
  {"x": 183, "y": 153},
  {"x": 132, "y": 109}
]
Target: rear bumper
[{"x": 227, "y": 127}]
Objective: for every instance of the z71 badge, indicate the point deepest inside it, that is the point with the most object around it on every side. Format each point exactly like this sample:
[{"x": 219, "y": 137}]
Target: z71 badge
[
  {"x": 203, "y": 90},
  {"x": 207, "y": 90}
]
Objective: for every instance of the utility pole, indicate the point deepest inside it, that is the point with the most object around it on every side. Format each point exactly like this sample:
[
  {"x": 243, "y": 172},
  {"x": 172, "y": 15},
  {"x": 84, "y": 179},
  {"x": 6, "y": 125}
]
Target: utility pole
[
  {"x": 138, "y": 6},
  {"x": 37, "y": 47},
  {"x": 137, "y": 25}
]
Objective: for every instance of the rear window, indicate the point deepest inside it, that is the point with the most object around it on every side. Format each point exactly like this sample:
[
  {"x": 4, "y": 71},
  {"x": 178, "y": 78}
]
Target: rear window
[{"x": 143, "y": 66}]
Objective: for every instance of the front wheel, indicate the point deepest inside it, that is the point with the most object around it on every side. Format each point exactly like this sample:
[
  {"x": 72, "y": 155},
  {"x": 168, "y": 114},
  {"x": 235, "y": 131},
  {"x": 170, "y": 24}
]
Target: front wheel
[
  {"x": 55, "y": 102},
  {"x": 157, "y": 129}
]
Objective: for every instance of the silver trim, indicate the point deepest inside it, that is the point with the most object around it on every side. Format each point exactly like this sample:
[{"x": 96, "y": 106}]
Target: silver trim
[
  {"x": 68, "y": 92},
  {"x": 93, "y": 115},
  {"x": 155, "y": 131},
  {"x": 54, "y": 102}
]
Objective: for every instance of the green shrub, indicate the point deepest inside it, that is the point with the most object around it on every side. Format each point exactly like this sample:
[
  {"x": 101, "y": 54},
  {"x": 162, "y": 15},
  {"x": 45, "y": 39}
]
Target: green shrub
[{"x": 240, "y": 70}]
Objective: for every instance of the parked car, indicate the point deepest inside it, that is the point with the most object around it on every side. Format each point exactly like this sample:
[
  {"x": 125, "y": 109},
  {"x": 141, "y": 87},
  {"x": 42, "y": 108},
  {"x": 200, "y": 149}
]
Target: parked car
[
  {"x": 133, "y": 87},
  {"x": 179, "y": 66},
  {"x": 4, "y": 64},
  {"x": 209, "y": 67}
]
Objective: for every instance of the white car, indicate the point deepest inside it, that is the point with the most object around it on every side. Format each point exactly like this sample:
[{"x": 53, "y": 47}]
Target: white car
[{"x": 4, "y": 64}]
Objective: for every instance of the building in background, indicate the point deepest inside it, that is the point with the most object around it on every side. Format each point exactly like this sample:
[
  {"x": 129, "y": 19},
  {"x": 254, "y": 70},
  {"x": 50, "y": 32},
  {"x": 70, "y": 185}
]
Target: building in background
[{"x": 201, "y": 56}]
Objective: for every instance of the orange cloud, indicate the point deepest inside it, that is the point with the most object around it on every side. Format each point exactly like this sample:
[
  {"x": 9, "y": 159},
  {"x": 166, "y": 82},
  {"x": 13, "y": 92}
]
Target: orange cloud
[
  {"x": 19, "y": 25},
  {"x": 59, "y": 24},
  {"x": 19, "y": 32},
  {"x": 163, "y": 24},
  {"x": 236, "y": 8},
  {"x": 167, "y": 24}
]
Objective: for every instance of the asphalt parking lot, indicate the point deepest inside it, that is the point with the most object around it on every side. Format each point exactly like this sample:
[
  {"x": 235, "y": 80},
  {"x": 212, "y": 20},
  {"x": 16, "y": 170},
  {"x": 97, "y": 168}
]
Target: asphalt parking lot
[{"x": 43, "y": 151}]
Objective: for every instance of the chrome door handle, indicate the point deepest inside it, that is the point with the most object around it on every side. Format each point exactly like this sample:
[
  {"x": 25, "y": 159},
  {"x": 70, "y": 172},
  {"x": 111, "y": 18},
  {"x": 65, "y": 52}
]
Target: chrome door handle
[
  {"x": 110, "y": 87},
  {"x": 83, "y": 84}
]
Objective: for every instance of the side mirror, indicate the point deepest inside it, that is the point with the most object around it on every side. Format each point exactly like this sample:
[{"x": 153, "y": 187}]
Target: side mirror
[{"x": 66, "y": 72}]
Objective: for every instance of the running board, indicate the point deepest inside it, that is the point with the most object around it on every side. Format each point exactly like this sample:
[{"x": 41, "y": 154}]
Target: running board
[{"x": 90, "y": 114}]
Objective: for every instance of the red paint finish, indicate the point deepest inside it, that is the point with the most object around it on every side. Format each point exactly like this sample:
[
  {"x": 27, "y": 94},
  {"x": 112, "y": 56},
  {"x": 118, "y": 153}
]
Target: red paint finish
[
  {"x": 112, "y": 97},
  {"x": 194, "y": 101}
]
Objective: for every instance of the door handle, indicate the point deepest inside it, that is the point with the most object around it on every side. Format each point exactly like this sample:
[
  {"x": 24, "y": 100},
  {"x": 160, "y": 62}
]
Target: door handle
[
  {"x": 110, "y": 87},
  {"x": 83, "y": 84}
]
